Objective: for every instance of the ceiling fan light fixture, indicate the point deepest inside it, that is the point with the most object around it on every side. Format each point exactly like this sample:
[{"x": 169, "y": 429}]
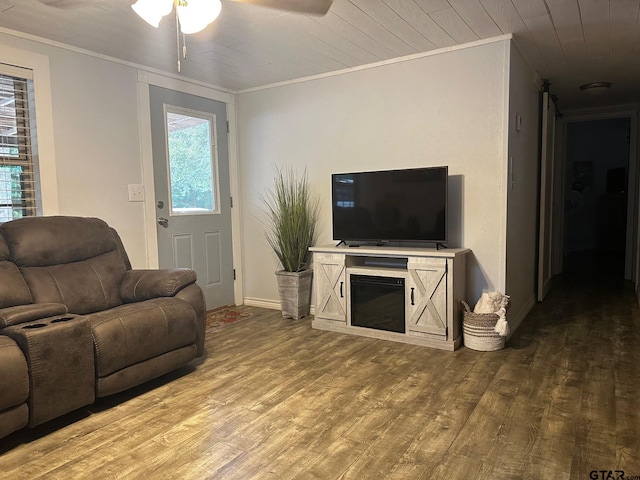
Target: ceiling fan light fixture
[
  {"x": 152, "y": 11},
  {"x": 195, "y": 15}
]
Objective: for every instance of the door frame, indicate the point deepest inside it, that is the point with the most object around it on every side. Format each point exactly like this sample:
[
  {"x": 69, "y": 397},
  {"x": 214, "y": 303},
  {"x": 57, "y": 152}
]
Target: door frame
[
  {"x": 632, "y": 248},
  {"x": 145, "y": 79},
  {"x": 546, "y": 196}
]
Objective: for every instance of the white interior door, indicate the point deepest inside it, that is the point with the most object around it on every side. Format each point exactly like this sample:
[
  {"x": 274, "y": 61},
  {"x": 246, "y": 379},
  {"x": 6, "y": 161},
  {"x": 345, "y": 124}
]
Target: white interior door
[
  {"x": 191, "y": 182},
  {"x": 545, "y": 244}
]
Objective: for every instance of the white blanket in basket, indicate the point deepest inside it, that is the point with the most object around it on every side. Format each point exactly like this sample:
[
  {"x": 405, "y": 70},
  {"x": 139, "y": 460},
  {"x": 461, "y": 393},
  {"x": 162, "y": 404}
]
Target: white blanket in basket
[{"x": 495, "y": 302}]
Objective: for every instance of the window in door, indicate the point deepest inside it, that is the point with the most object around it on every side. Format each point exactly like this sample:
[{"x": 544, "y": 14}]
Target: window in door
[
  {"x": 19, "y": 196},
  {"x": 193, "y": 176}
]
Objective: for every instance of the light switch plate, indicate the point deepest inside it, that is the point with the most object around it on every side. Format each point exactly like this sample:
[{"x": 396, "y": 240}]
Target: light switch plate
[{"x": 136, "y": 192}]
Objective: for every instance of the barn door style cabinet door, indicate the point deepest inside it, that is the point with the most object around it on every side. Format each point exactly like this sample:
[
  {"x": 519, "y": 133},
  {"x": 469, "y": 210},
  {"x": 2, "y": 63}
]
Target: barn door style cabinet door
[
  {"x": 331, "y": 299},
  {"x": 434, "y": 284},
  {"x": 426, "y": 299}
]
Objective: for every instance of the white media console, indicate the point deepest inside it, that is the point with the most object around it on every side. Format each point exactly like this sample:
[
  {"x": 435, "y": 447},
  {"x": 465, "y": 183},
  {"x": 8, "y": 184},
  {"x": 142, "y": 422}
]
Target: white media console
[{"x": 434, "y": 282}]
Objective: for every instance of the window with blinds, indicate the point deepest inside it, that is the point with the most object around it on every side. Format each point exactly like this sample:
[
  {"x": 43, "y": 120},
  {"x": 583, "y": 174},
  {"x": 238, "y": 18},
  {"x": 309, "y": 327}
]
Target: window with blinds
[{"x": 18, "y": 166}]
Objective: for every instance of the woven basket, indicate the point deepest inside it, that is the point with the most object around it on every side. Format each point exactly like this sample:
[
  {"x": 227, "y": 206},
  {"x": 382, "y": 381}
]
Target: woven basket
[{"x": 477, "y": 330}]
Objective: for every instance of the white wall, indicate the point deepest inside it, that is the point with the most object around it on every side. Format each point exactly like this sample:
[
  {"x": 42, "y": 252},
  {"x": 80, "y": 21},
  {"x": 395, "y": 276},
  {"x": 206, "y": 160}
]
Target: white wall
[
  {"x": 445, "y": 108},
  {"x": 522, "y": 187},
  {"x": 97, "y": 145}
]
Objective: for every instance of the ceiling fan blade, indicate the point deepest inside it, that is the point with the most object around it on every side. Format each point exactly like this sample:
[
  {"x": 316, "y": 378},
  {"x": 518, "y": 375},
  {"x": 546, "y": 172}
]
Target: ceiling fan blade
[
  {"x": 63, "y": 3},
  {"x": 315, "y": 7}
]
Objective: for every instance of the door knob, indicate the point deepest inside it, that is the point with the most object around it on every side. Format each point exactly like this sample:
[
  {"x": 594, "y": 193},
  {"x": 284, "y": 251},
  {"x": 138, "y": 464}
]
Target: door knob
[
  {"x": 163, "y": 222},
  {"x": 160, "y": 204}
]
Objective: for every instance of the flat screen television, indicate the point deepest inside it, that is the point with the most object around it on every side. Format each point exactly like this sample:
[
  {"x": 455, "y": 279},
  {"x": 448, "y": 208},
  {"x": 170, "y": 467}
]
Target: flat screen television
[{"x": 407, "y": 205}]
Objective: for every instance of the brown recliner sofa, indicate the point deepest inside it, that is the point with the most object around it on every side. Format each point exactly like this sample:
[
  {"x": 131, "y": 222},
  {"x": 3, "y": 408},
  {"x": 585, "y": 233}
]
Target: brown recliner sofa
[{"x": 76, "y": 322}]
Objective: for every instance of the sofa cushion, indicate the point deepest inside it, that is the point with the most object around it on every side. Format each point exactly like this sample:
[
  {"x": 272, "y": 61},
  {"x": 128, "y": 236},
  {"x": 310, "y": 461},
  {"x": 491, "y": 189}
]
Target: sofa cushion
[
  {"x": 72, "y": 260},
  {"x": 132, "y": 333},
  {"x": 14, "y": 289},
  {"x": 14, "y": 387},
  {"x": 46, "y": 241},
  {"x": 84, "y": 287},
  {"x": 142, "y": 372},
  {"x": 4, "y": 250},
  {"x": 14, "y": 377},
  {"x": 13, "y": 419}
]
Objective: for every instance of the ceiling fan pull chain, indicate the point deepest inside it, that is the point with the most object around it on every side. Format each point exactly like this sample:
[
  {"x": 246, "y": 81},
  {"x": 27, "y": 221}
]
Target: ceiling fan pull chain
[
  {"x": 184, "y": 46},
  {"x": 178, "y": 40}
]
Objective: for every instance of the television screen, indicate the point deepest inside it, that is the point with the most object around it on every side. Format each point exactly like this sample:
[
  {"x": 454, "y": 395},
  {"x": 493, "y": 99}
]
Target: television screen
[{"x": 391, "y": 205}]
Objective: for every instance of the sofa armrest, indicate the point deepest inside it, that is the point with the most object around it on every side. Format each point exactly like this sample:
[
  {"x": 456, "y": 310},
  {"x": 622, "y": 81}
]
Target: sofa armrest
[
  {"x": 28, "y": 313},
  {"x": 140, "y": 285},
  {"x": 193, "y": 296}
]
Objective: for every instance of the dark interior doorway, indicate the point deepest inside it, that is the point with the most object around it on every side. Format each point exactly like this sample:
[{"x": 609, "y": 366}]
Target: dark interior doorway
[{"x": 597, "y": 179}]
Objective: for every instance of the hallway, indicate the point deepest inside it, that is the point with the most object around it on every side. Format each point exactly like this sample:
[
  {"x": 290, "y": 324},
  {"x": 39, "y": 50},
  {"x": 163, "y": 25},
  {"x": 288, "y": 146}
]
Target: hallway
[{"x": 589, "y": 329}]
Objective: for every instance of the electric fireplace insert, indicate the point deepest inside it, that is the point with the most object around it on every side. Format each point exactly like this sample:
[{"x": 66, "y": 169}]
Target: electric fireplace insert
[{"x": 378, "y": 303}]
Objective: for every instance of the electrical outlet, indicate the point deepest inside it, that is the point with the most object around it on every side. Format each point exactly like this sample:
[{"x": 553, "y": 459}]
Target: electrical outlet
[{"x": 136, "y": 192}]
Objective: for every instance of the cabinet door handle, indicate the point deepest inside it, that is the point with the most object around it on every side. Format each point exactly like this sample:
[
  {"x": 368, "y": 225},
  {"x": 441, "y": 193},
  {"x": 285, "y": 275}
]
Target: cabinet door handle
[
  {"x": 412, "y": 302},
  {"x": 341, "y": 295}
]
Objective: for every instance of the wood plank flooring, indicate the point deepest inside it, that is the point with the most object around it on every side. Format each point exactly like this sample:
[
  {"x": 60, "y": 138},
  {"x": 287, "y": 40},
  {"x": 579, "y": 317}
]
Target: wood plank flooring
[{"x": 275, "y": 399}]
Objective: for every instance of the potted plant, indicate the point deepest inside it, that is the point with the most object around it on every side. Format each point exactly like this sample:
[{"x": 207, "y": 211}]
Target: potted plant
[{"x": 292, "y": 214}]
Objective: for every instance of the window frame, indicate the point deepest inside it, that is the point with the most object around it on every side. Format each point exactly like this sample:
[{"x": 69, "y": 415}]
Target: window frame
[
  {"x": 43, "y": 105},
  {"x": 213, "y": 143},
  {"x": 17, "y": 83}
]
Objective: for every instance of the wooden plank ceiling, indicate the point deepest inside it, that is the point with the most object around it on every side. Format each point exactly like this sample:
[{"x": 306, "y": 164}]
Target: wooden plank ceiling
[{"x": 569, "y": 42}]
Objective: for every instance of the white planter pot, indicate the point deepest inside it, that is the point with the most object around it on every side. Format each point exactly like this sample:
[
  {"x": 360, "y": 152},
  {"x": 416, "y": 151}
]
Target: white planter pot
[{"x": 295, "y": 293}]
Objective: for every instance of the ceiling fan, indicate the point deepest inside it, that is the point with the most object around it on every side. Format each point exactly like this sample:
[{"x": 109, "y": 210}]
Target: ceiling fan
[
  {"x": 193, "y": 16},
  {"x": 313, "y": 7}
]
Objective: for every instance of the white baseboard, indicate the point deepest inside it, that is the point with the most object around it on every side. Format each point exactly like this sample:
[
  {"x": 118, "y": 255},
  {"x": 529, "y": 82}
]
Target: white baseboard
[
  {"x": 262, "y": 303},
  {"x": 515, "y": 320},
  {"x": 266, "y": 303}
]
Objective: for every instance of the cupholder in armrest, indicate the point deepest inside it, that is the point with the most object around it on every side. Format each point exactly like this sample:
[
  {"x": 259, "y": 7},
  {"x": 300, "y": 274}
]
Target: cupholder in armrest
[
  {"x": 62, "y": 319},
  {"x": 35, "y": 325}
]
